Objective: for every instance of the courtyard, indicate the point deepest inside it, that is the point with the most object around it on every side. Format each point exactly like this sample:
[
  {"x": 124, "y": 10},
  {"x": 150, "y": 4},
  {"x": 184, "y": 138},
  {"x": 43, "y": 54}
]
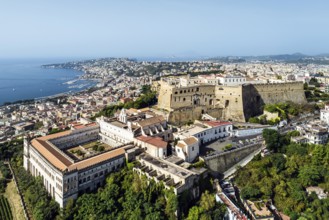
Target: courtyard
[{"x": 88, "y": 150}]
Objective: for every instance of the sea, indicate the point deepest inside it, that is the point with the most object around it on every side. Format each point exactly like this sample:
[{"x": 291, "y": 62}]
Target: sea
[{"x": 22, "y": 79}]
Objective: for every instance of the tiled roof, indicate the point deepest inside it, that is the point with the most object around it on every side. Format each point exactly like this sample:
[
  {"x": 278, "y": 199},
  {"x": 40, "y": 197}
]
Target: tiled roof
[
  {"x": 50, "y": 154},
  {"x": 191, "y": 140},
  {"x": 155, "y": 141},
  {"x": 151, "y": 121},
  {"x": 58, "y": 160},
  {"x": 217, "y": 123},
  {"x": 56, "y": 135},
  {"x": 96, "y": 159},
  {"x": 181, "y": 145}
]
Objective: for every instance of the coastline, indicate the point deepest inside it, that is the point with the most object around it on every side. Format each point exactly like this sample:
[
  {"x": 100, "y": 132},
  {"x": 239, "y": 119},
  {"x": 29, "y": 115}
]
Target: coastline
[
  {"x": 44, "y": 98},
  {"x": 26, "y": 81}
]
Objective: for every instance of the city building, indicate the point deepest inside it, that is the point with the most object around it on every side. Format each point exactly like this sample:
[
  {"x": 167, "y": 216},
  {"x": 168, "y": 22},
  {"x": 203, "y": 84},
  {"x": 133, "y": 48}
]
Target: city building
[
  {"x": 324, "y": 114},
  {"x": 154, "y": 146},
  {"x": 123, "y": 128},
  {"x": 68, "y": 164},
  {"x": 188, "y": 149},
  {"x": 172, "y": 175},
  {"x": 231, "y": 80},
  {"x": 315, "y": 132},
  {"x": 258, "y": 210},
  {"x": 206, "y": 131},
  {"x": 318, "y": 191}
]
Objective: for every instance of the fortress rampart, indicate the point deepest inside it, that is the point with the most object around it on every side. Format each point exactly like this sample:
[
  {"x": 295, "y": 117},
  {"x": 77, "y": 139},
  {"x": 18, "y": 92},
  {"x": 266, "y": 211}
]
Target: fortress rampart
[{"x": 237, "y": 103}]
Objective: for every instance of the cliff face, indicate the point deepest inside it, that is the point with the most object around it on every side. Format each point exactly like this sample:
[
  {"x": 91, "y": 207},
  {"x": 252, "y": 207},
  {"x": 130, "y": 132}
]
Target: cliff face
[{"x": 256, "y": 96}]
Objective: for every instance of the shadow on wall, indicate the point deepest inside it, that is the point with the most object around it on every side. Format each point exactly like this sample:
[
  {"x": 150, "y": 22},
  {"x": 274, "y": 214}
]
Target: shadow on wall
[{"x": 252, "y": 101}]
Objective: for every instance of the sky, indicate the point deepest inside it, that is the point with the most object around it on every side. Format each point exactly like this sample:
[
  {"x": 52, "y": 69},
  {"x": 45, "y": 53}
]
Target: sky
[{"x": 154, "y": 28}]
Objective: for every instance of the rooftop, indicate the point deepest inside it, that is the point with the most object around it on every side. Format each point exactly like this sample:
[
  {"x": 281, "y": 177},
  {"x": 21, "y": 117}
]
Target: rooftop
[
  {"x": 217, "y": 123},
  {"x": 61, "y": 160},
  {"x": 191, "y": 140},
  {"x": 151, "y": 121},
  {"x": 259, "y": 208},
  {"x": 119, "y": 124},
  {"x": 191, "y": 131},
  {"x": 97, "y": 159},
  {"x": 167, "y": 166},
  {"x": 154, "y": 141}
]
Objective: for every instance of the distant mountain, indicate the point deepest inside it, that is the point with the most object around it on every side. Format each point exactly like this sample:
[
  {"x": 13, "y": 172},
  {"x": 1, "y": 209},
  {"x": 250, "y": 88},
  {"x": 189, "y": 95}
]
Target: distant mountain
[
  {"x": 284, "y": 57},
  {"x": 298, "y": 58}
]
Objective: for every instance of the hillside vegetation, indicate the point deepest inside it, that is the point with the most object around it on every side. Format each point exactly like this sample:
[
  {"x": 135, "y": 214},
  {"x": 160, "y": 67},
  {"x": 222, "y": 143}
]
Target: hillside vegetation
[{"x": 284, "y": 176}]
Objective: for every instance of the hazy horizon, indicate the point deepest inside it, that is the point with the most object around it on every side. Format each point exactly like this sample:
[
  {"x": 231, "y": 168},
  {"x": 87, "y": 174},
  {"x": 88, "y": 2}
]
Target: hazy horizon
[{"x": 94, "y": 29}]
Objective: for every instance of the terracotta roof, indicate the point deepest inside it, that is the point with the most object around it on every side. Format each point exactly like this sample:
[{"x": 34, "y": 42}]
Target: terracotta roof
[
  {"x": 56, "y": 135},
  {"x": 50, "y": 154},
  {"x": 283, "y": 216},
  {"x": 155, "y": 141},
  {"x": 59, "y": 161},
  {"x": 217, "y": 123},
  {"x": 191, "y": 140},
  {"x": 96, "y": 159},
  {"x": 79, "y": 126},
  {"x": 180, "y": 144},
  {"x": 151, "y": 121},
  {"x": 91, "y": 124}
]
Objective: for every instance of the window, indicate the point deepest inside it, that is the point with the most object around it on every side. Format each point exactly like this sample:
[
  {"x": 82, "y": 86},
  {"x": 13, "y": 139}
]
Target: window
[{"x": 192, "y": 148}]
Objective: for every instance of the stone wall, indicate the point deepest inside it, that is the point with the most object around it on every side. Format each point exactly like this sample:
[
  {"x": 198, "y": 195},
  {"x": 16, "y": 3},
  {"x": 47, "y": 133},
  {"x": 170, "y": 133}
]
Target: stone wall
[
  {"x": 236, "y": 103},
  {"x": 229, "y": 98},
  {"x": 257, "y": 95},
  {"x": 164, "y": 98},
  {"x": 224, "y": 161},
  {"x": 182, "y": 115}
]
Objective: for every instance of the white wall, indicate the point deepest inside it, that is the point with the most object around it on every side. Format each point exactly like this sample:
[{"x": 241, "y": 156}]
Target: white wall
[{"x": 119, "y": 135}]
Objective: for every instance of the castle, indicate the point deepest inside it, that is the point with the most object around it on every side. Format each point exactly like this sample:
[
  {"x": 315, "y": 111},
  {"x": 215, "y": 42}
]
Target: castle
[{"x": 188, "y": 98}]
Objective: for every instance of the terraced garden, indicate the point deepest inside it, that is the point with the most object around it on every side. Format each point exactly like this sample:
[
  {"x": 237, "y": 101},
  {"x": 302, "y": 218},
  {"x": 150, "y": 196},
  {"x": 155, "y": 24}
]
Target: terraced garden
[{"x": 5, "y": 211}]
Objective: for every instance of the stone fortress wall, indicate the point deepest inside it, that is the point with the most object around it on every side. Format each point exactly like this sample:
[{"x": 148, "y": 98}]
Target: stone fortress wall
[
  {"x": 237, "y": 103},
  {"x": 257, "y": 95}
]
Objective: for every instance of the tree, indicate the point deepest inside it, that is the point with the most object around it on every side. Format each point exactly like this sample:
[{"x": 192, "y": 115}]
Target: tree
[
  {"x": 278, "y": 162},
  {"x": 3, "y": 185},
  {"x": 295, "y": 149},
  {"x": 194, "y": 213},
  {"x": 254, "y": 120},
  {"x": 250, "y": 192},
  {"x": 68, "y": 210},
  {"x": 207, "y": 201},
  {"x": 146, "y": 89},
  {"x": 309, "y": 175},
  {"x": 171, "y": 205},
  {"x": 272, "y": 139}
]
